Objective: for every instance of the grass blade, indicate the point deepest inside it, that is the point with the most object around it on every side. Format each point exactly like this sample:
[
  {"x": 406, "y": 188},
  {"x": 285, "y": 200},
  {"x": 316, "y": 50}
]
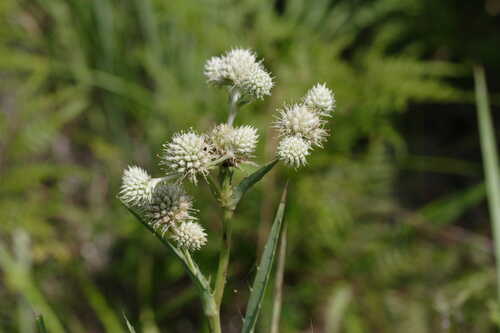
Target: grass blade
[
  {"x": 490, "y": 160},
  {"x": 251, "y": 180},
  {"x": 40, "y": 324},
  {"x": 129, "y": 325},
  {"x": 278, "y": 283},
  {"x": 264, "y": 269}
]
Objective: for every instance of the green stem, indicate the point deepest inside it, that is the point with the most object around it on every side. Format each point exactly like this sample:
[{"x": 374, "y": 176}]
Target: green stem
[
  {"x": 490, "y": 160},
  {"x": 233, "y": 106},
  {"x": 225, "y": 253}
]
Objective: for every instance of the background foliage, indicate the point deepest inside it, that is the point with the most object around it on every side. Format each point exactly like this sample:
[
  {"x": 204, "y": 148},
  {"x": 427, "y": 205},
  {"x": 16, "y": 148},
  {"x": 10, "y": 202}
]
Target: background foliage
[{"x": 389, "y": 230}]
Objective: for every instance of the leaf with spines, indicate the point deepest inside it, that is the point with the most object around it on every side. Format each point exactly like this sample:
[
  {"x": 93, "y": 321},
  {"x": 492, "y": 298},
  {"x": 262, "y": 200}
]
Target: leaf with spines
[{"x": 264, "y": 268}]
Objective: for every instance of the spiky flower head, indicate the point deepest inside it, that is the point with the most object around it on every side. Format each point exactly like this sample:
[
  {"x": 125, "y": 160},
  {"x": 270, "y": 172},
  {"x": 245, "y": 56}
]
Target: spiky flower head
[
  {"x": 293, "y": 150},
  {"x": 189, "y": 235},
  {"x": 237, "y": 142},
  {"x": 188, "y": 154},
  {"x": 169, "y": 206},
  {"x": 215, "y": 71},
  {"x": 300, "y": 120},
  {"x": 137, "y": 187},
  {"x": 240, "y": 69},
  {"x": 320, "y": 99}
]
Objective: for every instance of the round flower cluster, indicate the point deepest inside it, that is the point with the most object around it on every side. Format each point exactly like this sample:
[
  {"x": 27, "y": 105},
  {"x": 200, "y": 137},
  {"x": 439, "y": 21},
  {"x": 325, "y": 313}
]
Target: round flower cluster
[
  {"x": 189, "y": 155},
  {"x": 137, "y": 187},
  {"x": 165, "y": 207},
  {"x": 302, "y": 126},
  {"x": 240, "y": 69},
  {"x": 237, "y": 143}
]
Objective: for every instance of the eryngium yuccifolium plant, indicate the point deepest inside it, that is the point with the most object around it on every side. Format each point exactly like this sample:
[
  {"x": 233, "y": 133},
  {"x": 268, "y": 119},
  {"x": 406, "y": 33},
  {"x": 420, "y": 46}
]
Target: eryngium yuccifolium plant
[
  {"x": 300, "y": 120},
  {"x": 190, "y": 236},
  {"x": 137, "y": 187},
  {"x": 238, "y": 143},
  {"x": 240, "y": 70},
  {"x": 293, "y": 150},
  {"x": 188, "y": 155},
  {"x": 166, "y": 208},
  {"x": 169, "y": 207},
  {"x": 320, "y": 99}
]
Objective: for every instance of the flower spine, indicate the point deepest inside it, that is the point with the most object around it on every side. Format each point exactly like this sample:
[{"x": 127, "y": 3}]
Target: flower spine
[
  {"x": 190, "y": 236},
  {"x": 240, "y": 69},
  {"x": 293, "y": 150},
  {"x": 188, "y": 155},
  {"x": 169, "y": 207},
  {"x": 137, "y": 187}
]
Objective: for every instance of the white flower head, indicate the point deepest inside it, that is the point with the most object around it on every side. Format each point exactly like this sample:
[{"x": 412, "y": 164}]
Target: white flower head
[
  {"x": 169, "y": 206},
  {"x": 188, "y": 154},
  {"x": 137, "y": 187},
  {"x": 300, "y": 120},
  {"x": 293, "y": 150},
  {"x": 237, "y": 142},
  {"x": 320, "y": 99},
  {"x": 215, "y": 71},
  {"x": 190, "y": 236},
  {"x": 240, "y": 69}
]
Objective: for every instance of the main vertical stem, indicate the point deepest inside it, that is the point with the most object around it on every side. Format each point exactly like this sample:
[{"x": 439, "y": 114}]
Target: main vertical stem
[{"x": 225, "y": 253}]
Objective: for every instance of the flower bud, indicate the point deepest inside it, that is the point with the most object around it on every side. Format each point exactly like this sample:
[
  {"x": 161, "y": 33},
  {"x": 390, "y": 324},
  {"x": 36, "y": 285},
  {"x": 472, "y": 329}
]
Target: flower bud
[
  {"x": 188, "y": 154},
  {"x": 240, "y": 69},
  {"x": 293, "y": 150},
  {"x": 320, "y": 99},
  {"x": 239, "y": 142},
  {"x": 190, "y": 236},
  {"x": 299, "y": 120},
  {"x": 169, "y": 206}
]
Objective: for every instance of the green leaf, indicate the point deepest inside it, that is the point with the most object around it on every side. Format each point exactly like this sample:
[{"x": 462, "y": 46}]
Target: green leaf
[
  {"x": 129, "y": 325},
  {"x": 251, "y": 180},
  {"x": 40, "y": 324},
  {"x": 490, "y": 159},
  {"x": 264, "y": 269}
]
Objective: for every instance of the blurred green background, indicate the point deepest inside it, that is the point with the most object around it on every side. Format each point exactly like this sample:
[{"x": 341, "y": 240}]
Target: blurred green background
[{"x": 388, "y": 226}]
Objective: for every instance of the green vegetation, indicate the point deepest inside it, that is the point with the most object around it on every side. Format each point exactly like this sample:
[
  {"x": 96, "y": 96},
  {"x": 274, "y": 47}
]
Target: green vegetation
[{"x": 387, "y": 229}]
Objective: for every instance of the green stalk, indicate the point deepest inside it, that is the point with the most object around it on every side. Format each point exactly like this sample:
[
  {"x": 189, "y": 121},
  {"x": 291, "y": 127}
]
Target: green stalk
[
  {"x": 278, "y": 283},
  {"x": 490, "y": 160}
]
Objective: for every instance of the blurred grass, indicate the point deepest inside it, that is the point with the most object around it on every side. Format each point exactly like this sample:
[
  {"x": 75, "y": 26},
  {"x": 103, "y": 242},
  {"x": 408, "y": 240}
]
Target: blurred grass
[{"x": 90, "y": 86}]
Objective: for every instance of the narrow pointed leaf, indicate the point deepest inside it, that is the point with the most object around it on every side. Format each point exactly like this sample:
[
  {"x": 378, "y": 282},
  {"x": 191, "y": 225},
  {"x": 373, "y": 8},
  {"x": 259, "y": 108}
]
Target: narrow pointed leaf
[
  {"x": 191, "y": 267},
  {"x": 264, "y": 269},
  {"x": 251, "y": 180},
  {"x": 490, "y": 159},
  {"x": 40, "y": 324},
  {"x": 129, "y": 325}
]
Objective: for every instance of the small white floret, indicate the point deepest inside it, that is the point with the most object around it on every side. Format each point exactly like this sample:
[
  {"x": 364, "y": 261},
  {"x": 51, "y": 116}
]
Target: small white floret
[{"x": 300, "y": 120}]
